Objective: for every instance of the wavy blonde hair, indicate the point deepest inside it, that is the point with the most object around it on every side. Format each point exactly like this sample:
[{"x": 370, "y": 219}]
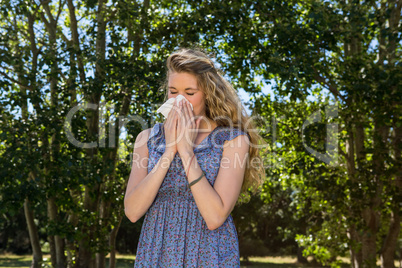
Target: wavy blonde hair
[{"x": 222, "y": 102}]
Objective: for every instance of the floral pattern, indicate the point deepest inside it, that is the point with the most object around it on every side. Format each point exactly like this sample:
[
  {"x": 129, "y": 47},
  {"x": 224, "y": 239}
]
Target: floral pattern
[{"x": 174, "y": 234}]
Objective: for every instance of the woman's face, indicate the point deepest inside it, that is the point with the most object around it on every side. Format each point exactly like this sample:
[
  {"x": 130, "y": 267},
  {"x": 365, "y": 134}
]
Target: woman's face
[{"x": 186, "y": 84}]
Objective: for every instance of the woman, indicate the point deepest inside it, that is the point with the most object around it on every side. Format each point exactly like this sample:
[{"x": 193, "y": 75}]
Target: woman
[{"x": 188, "y": 172}]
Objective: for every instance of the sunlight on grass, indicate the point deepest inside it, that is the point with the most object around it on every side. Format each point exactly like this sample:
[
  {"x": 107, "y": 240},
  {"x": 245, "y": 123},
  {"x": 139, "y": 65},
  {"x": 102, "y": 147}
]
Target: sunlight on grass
[
  {"x": 15, "y": 261},
  {"x": 123, "y": 261},
  {"x": 127, "y": 261}
]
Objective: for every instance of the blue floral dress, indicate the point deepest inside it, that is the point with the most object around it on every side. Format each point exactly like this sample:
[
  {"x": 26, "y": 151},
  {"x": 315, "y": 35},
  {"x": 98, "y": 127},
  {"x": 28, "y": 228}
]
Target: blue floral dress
[{"x": 174, "y": 234}]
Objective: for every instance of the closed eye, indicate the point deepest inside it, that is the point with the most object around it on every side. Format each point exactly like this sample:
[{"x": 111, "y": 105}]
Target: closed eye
[{"x": 190, "y": 94}]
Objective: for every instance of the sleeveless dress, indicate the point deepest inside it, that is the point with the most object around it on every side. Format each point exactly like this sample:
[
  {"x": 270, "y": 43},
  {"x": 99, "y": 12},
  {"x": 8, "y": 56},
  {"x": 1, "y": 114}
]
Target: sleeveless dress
[{"x": 174, "y": 234}]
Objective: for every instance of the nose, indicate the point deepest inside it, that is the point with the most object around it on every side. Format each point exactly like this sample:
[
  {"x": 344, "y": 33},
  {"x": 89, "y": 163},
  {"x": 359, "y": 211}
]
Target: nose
[{"x": 182, "y": 98}]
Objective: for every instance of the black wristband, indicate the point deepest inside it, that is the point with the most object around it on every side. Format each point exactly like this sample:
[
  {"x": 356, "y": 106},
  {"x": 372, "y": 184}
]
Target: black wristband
[{"x": 195, "y": 181}]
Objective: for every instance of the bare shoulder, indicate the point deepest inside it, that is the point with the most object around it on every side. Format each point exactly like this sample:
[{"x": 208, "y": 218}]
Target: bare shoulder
[
  {"x": 142, "y": 138},
  {"x": 241, "y": 141},
  {"x": 146, "y": 132}
]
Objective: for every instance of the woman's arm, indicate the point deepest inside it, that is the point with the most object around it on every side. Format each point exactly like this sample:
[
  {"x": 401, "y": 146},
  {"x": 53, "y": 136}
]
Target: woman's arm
[
  {"x": 142, "y": 187},
  {"x": 216, "y": 203}
]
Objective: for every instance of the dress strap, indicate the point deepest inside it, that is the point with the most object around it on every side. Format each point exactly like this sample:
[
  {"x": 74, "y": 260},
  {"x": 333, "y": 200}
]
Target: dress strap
[
  {"x": 155, "y": 130},
  {"x": 226, "y": 134},
  {"x": 154, "y": 136}
]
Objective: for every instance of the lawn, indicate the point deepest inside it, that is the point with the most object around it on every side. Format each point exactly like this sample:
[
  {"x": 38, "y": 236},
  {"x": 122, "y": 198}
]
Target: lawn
[{"x": 127, "y": 261}]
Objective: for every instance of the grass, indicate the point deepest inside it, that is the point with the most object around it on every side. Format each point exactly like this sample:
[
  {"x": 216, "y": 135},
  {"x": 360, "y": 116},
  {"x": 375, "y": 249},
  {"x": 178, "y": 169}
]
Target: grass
[
  {"x": 15, "y": 261},
  {"x": 127, "y": 261}
]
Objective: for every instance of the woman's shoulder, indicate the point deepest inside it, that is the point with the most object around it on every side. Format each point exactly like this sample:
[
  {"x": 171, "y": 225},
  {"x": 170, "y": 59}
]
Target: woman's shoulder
[
  {"x": 152, "y": 131},
  {"x": 230, "y": 131},
  {"x": 146, "y": 133},
  {"x": 142, "y": 137},
  {"x": 224, "y": 134},
  {"x": 154, "y": 134}
]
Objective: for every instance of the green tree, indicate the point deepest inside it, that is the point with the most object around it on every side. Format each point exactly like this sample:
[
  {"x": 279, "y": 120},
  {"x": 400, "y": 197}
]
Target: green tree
[
  {"x": 352, "y": 50},
  {"x": 105, "y": 58}
]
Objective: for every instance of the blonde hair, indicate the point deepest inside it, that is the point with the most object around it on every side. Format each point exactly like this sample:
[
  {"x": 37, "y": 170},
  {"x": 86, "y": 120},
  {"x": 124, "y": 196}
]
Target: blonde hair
[{"x": 222, "y": 102}]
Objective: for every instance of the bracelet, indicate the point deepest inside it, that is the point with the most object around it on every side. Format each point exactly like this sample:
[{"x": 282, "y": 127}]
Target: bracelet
[
  {"x": 194, "y": 182},
  {"x": 190, "y": 164}
]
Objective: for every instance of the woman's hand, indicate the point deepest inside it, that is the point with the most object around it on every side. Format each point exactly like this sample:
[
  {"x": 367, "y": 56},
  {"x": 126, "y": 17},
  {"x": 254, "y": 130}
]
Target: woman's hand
[
  {"x": 170, "y": 127},
  {"x": 187, "y": 128}
]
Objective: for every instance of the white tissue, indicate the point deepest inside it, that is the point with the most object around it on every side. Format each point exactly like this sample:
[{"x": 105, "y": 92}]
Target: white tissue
[{"x": 168, "y": 105}]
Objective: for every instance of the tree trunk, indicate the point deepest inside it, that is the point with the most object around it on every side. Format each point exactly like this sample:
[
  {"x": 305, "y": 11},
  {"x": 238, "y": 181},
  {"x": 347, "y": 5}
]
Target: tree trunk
[
  {"x": 355, "y": 239},
  {"x": 33, "y": 236},
  {"x": 300, "y": 257},
  {"x": 100, "y": 260},
  {"x": 85, "y": 259},
  {"x": 371, "y": 214},
  {"x": 52, "y": 249},
  {"x": 70, "y": 257},
  {"x": 71, "y": 248},
  {"x": 369, "y": 238},
  {"x": 390, "y": 242},
  {"x": 85, "y": 256},
  {"x": 112, "y": 244},
  {"x": 103, "y": 213},
  {"x": 354, "y": 247},
  {"x": 37, "y": 257},
  {"x": 57, "y": 240}
]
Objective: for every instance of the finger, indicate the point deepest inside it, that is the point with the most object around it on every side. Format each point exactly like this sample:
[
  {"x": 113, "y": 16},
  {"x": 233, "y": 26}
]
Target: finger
[
  {"x": 186, "y": 115},
  {"x": 175, "y": 106},
  {"x": 190, "y": 113},
  {"x": 174, "y": 116},
  {"x": 183, "y": 116},
  {"x": 188, "y": 122},
  {"x": 174, "y": 124},
  {"x": 174, "y": 110},
  {"x": 171, "y": 112},
  {"x": 193, "y": 124},
  {"x": 171, "y": 115}
]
